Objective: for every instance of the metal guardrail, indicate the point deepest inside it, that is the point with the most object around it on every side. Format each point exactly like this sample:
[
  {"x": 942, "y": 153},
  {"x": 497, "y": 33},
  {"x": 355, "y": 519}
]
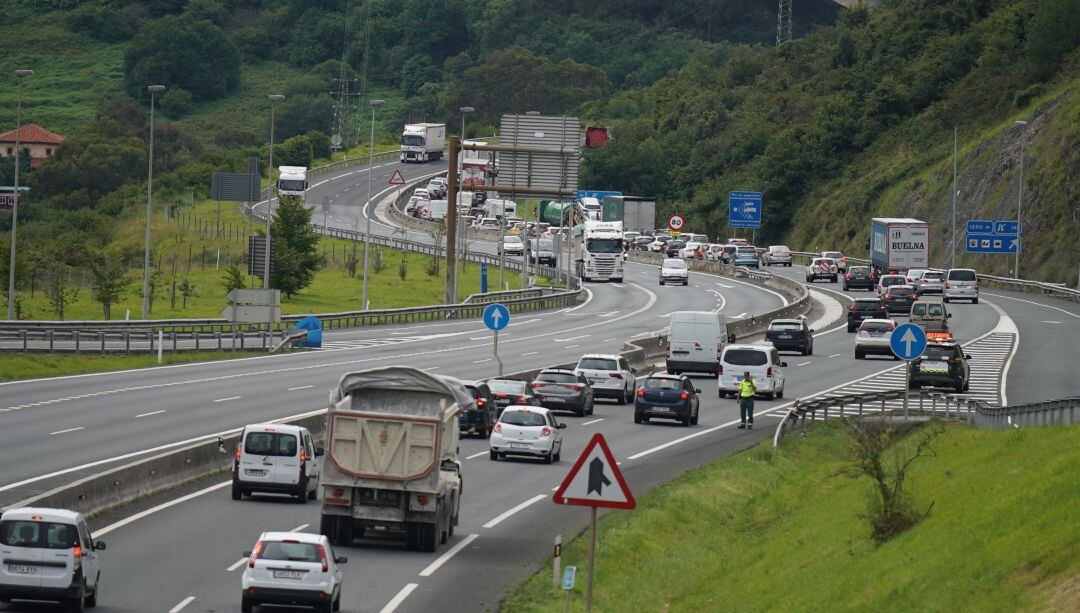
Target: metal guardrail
[{"x": 132, "y": 341}]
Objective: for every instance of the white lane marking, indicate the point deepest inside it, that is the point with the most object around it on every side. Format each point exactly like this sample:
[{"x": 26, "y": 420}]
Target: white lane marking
[
  {"x": 802, "y": 363},
  {"x": 228, "y": 399},
  {"x": 588, "y": 292},
  {"x": 589, "y": 423},
  {"x": 724, "y": 285},
  {"x": 498, "y": 520},
  {"x": 235, "y": 565},
  {"x": 477, "y": 455},
  {"x": 300, "y": 528},
  {"x": 608, "y": 340},
  {"x": 299, "y": 387},
  {"x": 720, "y": 299},
  {"x": 183, "y": 603},
  {"x": 1007, "y": 325},
  {"x": 666, "y": 314},
  {"x": 530, "y": 353},
  {"x": 1047, "y": 306},
  {"x": 835, "y": 355},
  {"x": 608, "y": 314},
  {"x": 66, "y": 431},
  {"x": 161, "y": 507},
  {"x": 444, "y": 558},
  {"x": 481, "y": 361},
  {"x": 570, "y": 346},
  {"x": 572, "y": 338},
  {"x": 396, "y": 601},
  {"x": 1049, "y": 322},
  {"x": 151, "y": 413},
  {"x": 430, "y": 368},
  {"x": 739, "y": 316}
]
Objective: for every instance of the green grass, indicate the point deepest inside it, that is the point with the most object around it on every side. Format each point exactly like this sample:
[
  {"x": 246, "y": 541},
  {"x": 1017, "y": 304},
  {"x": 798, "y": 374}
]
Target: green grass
[
  {"x": 781, "y": 530},
  {"x": 34, "y": 366}
]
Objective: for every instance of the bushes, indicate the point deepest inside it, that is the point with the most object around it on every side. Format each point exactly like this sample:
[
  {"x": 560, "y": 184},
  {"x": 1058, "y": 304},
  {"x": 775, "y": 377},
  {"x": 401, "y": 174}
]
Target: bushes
[{"x": 179, "y": 52}]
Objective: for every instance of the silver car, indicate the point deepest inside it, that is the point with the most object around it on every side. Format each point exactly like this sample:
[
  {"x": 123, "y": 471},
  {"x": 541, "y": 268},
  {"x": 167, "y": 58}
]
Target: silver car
[
  {"x": 673, "y": 271},
  {"x": 776, "y": 254},
  {"x": 873, "y": 337},
  {"x": 931, "y": 282},
  {"x": 961, "y": 284}
]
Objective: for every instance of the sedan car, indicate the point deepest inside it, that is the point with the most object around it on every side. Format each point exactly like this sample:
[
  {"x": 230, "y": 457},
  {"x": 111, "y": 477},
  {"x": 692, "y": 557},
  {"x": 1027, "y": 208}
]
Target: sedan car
[
  {"x": 291, "y": 568},
  {"x": 791, "y": 335},
  {"x": 512, "y": 245},
  {"x": 527, "y": 431},
  {"x": 558, "y": 389},
  {"x": 859, "y": 277},
  {"x": 480, "y": 420},
  {"x": 776, "y": 255},
  {"x": 821, "y": 268},
  {"x": 931, "y": 282},
  {"x": 873, "y": 338},
  {"x": 838, "y": 257},
  {"x": 673, "y": 270},
  {"x": 542, "y": 251},
  {"x": 667, "y": 396},
  {"x": 899, "y": 298},
  {"x": 865, "y": 308},
  {"x": 511, "y": 391}
]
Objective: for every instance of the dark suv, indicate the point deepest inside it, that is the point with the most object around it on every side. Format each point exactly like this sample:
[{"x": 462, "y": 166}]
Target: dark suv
[
  {"x": 865, "y": 308},
  {"x": 791, "y": 335},
  {"x": 563, "y": 390},
  {"x": 860, "y": 277},
  {"x": 482, "y": 419},
  {"x": 942, "y": 365}
]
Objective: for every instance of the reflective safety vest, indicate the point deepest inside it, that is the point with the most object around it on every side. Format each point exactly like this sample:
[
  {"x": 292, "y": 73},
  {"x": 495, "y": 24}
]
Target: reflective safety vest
[{"x": 746, "y": 389}]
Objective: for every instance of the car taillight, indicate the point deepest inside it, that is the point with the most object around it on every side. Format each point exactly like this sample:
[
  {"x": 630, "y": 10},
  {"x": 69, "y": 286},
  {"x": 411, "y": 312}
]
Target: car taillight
[
  {"x": 303, "y": 456},
  {"x": 768, "y": 371},
  {"x": 536, "y": 384},
  {"x": 77, "y": 552},
  {"x": 545, "y": 432},
  {"x": 954, "y": 361},
  {"x": 575, "y": 387},
  {"x": 852, "y": 308},
  {"x": 501, "y": 395},
  {"x": 947, "y": 286},
  {"x": 719, "y": 369},
  {"x": 683, "y": 396},
  {"x": 641, "y": 393},
  {"x": 255, "y": 554},
  {"x": 976, "y": 286},
  {"x": 888, "y": 296},
  {"x": 322, "y": 558},
  {"x": 523, "y": 399},
  {"x": 479, "y": 402},
  {"x": 498, "y": 428},
  {"x": 616, "y": 376},
  {"x": 871, "y": 277},
  {"x": 880, "y": 309},
  {"x": 847, "y": 276}
]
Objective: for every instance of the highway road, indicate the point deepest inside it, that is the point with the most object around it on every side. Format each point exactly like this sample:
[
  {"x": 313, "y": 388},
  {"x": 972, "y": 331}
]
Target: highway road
[{"x": 184, "y": 556}]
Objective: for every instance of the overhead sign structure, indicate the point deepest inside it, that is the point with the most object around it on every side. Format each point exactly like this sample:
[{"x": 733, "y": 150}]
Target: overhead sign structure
[
  {"x": 986, "y": 236},
  {"x": 744, "y": 210},
  {"x": 397, "y": 179},
  {"x": 547, "y": 156},
  {"x": 908, "y": 341},
  {"x": 676, "y": 222},
  {"x": 496, "y": 317}
]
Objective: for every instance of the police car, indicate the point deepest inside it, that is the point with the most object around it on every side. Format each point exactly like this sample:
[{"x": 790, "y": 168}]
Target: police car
[{"x": 942, "y": 364}]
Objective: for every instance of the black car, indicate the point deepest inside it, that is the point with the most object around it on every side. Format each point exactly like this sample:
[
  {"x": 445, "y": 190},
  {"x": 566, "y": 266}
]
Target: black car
[
  {"x": 667, "y": 396},
  {"x": 481, "y": 420},
  {"x": 511, "y": 391},
  {"x": 542, "y": 251},
  {"x": 899, "y": 298},
  {"x": 563, "y": 390},
  {"x": 860, "y": 277},
  {"x": 672, "y": 248},
  {"x": 865, "y": 308},
  {"x": 942, "y": 364},
  {"x": 791, "y": 335}
]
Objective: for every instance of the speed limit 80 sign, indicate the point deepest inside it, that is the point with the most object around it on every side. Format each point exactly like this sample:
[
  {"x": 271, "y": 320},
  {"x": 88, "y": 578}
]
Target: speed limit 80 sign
[{"x": 676, "y": 222}]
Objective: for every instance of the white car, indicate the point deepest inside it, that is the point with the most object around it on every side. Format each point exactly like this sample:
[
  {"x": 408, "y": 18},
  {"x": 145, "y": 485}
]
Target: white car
[
  {"x": 873, "y": 337},
  {"x": 776, "y": 254},
  {"x": 486, "y": 223},
  {"x": 440, "y": 184},
  {"x": 673, "y": 270},
  {"x": 713, "y": 253},
  {"x": 276, "y": 458},
  {"x": 822, "y": 268},
  {"x": 609, "y": 375},
  {"x": 48, "y": 554},
  {"x": 931, "y": 282},
  {"x": 659, "y": 244},
  {"x": 689, "y": 251},
  {"x": 887, "y": 281},
  {"x": 512, "y": 245},
  {"x": 291, "y": 568},
  {"x": 839, "y": 258},
  {"x": 526, "y": 431},
  {"x": 422, "y": 193}
]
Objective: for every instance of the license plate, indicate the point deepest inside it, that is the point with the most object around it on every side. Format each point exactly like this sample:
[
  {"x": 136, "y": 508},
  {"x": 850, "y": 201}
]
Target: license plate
[
  {"x": 784, "y": 336},
  {"x": 520, "y": 446},
  {"x": 255, "y": 472},
  {"x": 661, "y": 409},
  {"x": 934, "y": 366},
  {"x": 288, "y": 574},
  {"x": 596, "y": 381},
  {"x": 554, "y": 399},
  {"x": 21, "y": 569}
]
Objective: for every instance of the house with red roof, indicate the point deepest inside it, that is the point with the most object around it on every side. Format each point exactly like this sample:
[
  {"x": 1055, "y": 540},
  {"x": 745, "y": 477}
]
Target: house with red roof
[{"x": 35, "y": 141}]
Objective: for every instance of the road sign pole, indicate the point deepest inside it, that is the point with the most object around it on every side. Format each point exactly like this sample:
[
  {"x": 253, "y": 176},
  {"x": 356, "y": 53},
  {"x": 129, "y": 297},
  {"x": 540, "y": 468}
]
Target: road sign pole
[
  {"x": 592, "y": 561},
  {"x": 495, "y": 351},
  {"x": 907, "y": 386}
]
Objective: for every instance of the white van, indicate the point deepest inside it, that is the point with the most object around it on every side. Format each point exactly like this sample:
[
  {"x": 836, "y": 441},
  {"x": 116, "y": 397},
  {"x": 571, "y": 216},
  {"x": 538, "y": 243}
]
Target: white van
[
  {"x": 694, "y": 342},
  {"x": 276, "y": 458},
  {"x": 961, "y": 284},
  {"x": 48, "y": 554},
  {"x": 763, "y": 363}
]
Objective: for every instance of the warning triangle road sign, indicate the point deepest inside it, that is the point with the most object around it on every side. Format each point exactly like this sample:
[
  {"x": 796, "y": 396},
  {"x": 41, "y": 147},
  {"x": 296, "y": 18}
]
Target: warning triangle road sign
[
  {"x": 397, "y": 179},
  {"x": 595, "y": 480}
]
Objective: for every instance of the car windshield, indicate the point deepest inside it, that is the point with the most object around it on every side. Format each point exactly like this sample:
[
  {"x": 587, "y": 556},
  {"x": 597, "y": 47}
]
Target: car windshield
[
  {"x": 876, "y": 327},
  {"x": 657, "y": 383},
  {"x": 557, "y": 377},
  {"x": 412, "y": 140},
  {"x": 867, "y": 304},
  {"x": 933, "y": 276},
  {"x": 785, "y": 325},
  {"x": 746, "y": 357},
  {"x": 543, "y": 245},
  {"x": 270, "y": 444},
  {"x": 822, "y": 262},
  {"x": 935, "y": 310},
  {"x": 522, "y": 418},
  {"x": 891, "y": 280},
  {"x": 939, "y": 353},
  {"x": 676, "y": 244},
  {"x": 961, "y": 275},
  {"x": 289, "y": 551},
  {"x": 512, "y": 240},
  {"x": 747, "y": 251},
  {"x": 292, "y": 185},
  {"x": 674, "y": 264},
  {"x": 834, "y": 254},
  {"x": 597, "y": 364},
  {"x": 38, "y": 534},
  {"x": 778, "y": 249},
  {"x": 506, "y": 386},
  {"x": 858, "y": 270}
]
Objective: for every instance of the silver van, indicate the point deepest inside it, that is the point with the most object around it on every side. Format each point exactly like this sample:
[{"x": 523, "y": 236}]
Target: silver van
[
  {"x": 694, "y": 342},
  {"x": 961, "y": 284}
]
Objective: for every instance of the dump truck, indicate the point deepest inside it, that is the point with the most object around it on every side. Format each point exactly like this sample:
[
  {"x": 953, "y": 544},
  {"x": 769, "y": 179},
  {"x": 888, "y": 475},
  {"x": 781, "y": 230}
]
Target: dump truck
[{"x": 391, "y": 460}]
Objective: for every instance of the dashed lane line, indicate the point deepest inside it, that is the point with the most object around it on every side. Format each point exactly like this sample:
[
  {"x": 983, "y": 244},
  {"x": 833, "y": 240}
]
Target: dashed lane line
[
  {"x": 444, "y": 558},
  {"x": 501, "y": 518},
  {"x": 399, "y": 598}
]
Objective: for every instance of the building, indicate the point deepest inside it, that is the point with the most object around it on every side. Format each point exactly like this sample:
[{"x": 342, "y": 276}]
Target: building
[{"x": 36, "y": 142}]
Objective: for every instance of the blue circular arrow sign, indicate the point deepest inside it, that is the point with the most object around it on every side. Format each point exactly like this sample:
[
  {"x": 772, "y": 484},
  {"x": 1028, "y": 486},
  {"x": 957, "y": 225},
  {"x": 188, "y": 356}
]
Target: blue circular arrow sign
[
  {"x": 497, "y": 317},
  {"x": 908, "y": 341}
]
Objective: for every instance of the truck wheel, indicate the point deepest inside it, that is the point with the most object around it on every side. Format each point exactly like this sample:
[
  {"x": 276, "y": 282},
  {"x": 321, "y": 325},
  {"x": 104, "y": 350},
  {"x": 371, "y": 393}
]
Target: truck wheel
[
  {"x": 301, "y": 494},
  {"x": 236, "y": 493},
  {"x": 327, "y": 527},
  {"x": 412, "y": 536}
]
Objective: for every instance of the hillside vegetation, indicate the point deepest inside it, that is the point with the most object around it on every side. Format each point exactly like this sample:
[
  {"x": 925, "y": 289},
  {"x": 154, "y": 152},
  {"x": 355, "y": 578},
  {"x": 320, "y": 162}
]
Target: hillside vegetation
[{"x": 781, "y": 529}]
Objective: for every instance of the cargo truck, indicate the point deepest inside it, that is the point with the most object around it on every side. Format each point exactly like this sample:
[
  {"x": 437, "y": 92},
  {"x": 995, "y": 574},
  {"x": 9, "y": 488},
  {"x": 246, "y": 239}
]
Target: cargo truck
[
  {"x": 392, "y": 465},
  {"x": 899, "y": 244},
  {"x": 292, "y": 181},
  {"x": 599, "y": 251},
  {"x": 635, "y": 212},
  {"x": 421, "y": 142}
]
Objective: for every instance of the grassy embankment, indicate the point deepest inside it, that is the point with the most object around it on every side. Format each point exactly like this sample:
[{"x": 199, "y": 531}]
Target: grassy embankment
[
  {"x": 781, "y": 530},
  {"x": 35, "y": 366}
]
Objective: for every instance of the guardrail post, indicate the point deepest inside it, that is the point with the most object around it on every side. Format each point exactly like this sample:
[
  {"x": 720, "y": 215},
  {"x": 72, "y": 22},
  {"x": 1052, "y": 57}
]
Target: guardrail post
[
  {"x": 218, "y": 335},
  {"x": 197, "y": 335},
  {"x": 50, "y": 335},
  {"x": 173, "y": 333},
  {"x": 127, "y": 342},
  {"x": 860, "y": 407},
  {"x": 101, "y": 337},
  {"x": 23, "y": 334}
]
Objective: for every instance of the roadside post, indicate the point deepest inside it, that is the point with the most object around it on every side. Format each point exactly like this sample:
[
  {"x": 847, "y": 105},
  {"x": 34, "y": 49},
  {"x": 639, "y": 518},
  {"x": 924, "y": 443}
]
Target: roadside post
[
  {"x": 496, "y": 317},
  {"x": 557, "y": 562},
  {"x": 601, "y": 485},
  {"x": 908, "y": 341},
  {"x": 568, "y": 585}
]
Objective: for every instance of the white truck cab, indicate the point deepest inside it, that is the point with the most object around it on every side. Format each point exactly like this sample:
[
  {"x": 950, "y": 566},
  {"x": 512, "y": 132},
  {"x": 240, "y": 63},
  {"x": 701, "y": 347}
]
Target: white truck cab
[
  {"x": 292, "y": 181},
  {"x": 600, "y": 251},
  {"x": 276, "y": 458}
]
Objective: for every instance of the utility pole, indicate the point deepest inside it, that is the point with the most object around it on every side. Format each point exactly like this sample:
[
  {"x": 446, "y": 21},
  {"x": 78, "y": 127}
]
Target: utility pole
[
  {"x": 370, "y": 171},
  {"x": 783, "y": 22},
  {"x": 451, "y": 219},
  {"x": 19, "y": 74},
  {"x": 153, "y": 89}
]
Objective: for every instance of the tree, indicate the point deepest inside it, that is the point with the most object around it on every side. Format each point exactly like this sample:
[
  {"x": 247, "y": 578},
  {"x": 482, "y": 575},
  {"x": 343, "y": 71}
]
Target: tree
[
  {"x": 320, "y": 144},
  {"x": 233, "y": 279},
  {"x": 178, "y": 51},
  {"x": 295, "y": 151},
  {"x": 59, "y": 291},
  {"x": 187, "y": 290},
  {"x": 295, "y": 247},
  {"x": 152, "y": 284},
  {"x": 110, "y": 283}
]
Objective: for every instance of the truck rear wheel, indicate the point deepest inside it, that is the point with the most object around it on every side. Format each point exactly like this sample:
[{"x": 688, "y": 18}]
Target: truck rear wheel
[{"x": 429, "y": 534}]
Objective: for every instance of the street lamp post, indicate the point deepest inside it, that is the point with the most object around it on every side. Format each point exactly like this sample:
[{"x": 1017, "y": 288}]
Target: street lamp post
[
  {"x": 459, "y": 263},
  {"x": 1020, "y": 200},
  {"x": 272, "y": 98},
  {"x": 153, "y": 89},
  {"x": 19, "y": 74},
  {"x": 367, "y": 232}
]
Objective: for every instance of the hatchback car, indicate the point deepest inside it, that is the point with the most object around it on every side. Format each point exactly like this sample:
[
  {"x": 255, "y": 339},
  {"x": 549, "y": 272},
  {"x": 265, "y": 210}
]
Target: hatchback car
[
  {"x": 899, "y": 298},
  {"x": 512, "y": 245},
  {"x": 873, "y": 338},
  {"x": 931, "y": 282},
  {"x": 691, "y": 250},
  {"x": 838, "y": 257},
  {"x": 558, "y": 389},
  {"x": 674, "y": 271},
  {"x": 527, "y": 431},
  {"x": 776, "y": 255},
  {"x": 913, "y": 275},
  {"x": 480, "y": 420},
  {"x": 859, "y": 277},
  {"x": 542, "y": 251},
  {"x": 48, "y": 554},
  {"x": 961, "y": 284},
  {"x": 609, "y": 375},
  {"x": 865, "y": 308},
  {"x": 887, "y": 281},
  {"x": 511, "y": 391},
  {"x": 746, "y": 256},
  {"x": 659, "y": 244},
  {"x": 667, "y": 396},
  {"x": 821, "y": 268},
  {"x": 291, "y": 568},
  {"x": 942, "y": 364},
  {"x": 763, "y": 363},
  {"x": 791, "y": 335},
  {"x": 727, "y": 253}
]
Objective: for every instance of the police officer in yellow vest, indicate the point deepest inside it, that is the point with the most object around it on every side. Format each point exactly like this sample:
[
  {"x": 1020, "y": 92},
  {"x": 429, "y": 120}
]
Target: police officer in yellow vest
[{"x": 747, "y": 389}]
